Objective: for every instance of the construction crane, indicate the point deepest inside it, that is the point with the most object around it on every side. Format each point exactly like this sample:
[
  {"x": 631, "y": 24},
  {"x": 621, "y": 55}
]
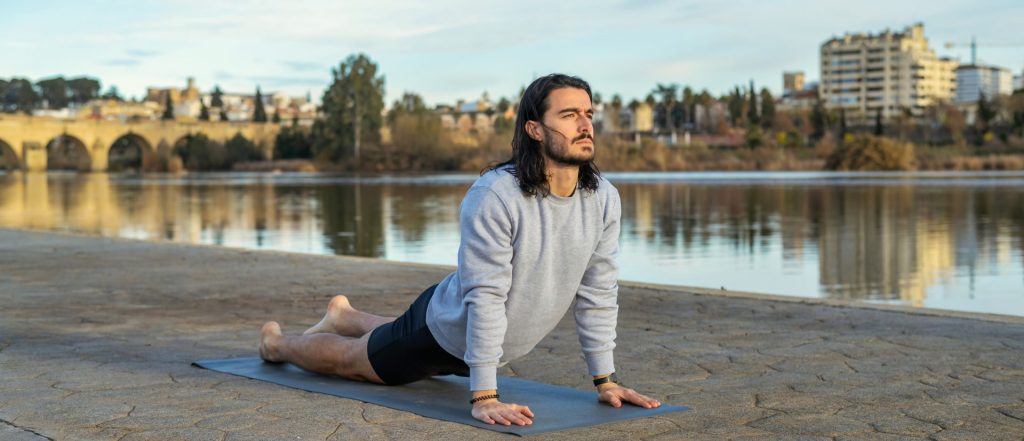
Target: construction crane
[{"x": 974, "y": 48}]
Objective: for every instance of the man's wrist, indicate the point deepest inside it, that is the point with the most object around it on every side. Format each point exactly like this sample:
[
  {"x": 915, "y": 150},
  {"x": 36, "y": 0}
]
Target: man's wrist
[
  {"x": 606, "y": 378},
  {"x": 491, "y": 393}
]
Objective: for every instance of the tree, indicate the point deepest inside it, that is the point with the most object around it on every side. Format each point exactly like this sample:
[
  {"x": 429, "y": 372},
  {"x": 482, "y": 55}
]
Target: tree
[
  {"x": 168, "y": 108},
  {"x": 352, "y": 108},
  {"x": 842, "y": 125},
  {"x": 689, "y": 105},
  {"x": 416, "y": 130},
  {"x": 198, "y": 152},
  {"x": 819, "y": 119},
  {"x": 54, "y": 92},
  {"x": 216, "y": 98},
  {"x": 293, "y": 143},
  {"x": 83, "y": 89},
  {"x": 113, "y": 94},
  {"x": 668, "y": 104},
  {"x": 879, "y": 129},
  {"x": 983, "y": 123},
  {"x": 735, "y": 100},
  {"x": 20, "y": 95},
  {"x": 260, "y": 114},
  {"x": 239, "y": 149},
  {"x": 224, "y": 114},
  {"x": 752, "y": 110},
  {"x": 767, "y": 109},
  {"x": 204, "y": 112}
]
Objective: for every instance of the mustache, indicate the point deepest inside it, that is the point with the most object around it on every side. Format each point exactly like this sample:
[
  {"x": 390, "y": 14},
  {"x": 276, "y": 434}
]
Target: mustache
[{"x": 583, "y": 136}]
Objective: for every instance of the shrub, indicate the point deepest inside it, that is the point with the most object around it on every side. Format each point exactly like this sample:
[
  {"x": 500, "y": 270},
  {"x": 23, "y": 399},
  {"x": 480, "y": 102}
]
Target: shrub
[{"x": 869, "y": 153}]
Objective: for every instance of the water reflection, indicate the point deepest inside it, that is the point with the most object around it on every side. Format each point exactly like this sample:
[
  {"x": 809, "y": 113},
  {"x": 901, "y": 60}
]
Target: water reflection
[{"x": 940, "y": 242}]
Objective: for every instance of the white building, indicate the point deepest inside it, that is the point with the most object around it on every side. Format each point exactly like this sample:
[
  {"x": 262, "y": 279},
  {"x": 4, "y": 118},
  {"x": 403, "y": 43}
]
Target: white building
[
  {"x": 891, "y": 71},
  {"x": 974, "y": 80}
]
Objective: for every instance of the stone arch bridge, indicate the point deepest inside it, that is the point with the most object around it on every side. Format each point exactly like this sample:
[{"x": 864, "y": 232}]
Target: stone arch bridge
[{"x": 24, "y": 139}]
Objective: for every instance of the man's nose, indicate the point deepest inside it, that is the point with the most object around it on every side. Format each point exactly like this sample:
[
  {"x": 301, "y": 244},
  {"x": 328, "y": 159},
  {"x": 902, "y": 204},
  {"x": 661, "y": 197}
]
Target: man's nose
[{"x": 586, "y": 125}]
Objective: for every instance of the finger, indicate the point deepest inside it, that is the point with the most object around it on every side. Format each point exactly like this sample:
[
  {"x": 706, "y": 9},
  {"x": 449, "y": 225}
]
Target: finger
[
  {"x": 526, "y": 411},
  {"x": 644, "y": 400},
  {"x": 514, "y": 417},
  {"x": 615, "y": 401},
  {"x": 500, "y": 419}
]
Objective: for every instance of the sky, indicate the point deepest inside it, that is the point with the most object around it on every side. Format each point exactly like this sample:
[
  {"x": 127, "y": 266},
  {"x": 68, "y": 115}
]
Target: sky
[{"x": 445, "y": 50}]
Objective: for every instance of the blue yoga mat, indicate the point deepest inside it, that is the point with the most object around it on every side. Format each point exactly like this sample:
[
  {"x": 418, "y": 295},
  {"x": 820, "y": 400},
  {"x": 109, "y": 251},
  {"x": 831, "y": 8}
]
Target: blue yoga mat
[{"x": 447, "y": 398}]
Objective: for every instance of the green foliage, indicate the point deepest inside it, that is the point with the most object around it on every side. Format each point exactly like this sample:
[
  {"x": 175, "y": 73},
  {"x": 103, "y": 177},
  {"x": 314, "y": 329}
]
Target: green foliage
[
  {"x": 168, "y": 109},
  {"x": 54, "y": 91},
  {"x": 204, "y": 112},
  {"x": 200, "y": 153},
  {"x": 754, "y": 137},
  {"x": 259, "y": 114},
  {"x": 293, "y": 143},
  {"x": 240, "y": 149},
  {"x": 871, "y": 153},
  {"x": 216, "y": 98},
  {"x": 19, "y": 95},
  {"x": 352, "y": 107},
  {"x": 752, "y": 115},
  {"x": 83, "y": 89},
  {"x": 767, "y": 109},
  {"x": 820, "y": 120}
]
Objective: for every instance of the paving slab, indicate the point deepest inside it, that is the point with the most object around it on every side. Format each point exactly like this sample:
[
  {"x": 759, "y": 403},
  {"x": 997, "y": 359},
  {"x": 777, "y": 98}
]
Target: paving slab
[{"x": 97, "y": 336}]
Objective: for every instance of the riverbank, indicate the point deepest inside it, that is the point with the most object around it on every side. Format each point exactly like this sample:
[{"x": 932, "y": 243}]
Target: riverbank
[{"x": 96, "y": 337}]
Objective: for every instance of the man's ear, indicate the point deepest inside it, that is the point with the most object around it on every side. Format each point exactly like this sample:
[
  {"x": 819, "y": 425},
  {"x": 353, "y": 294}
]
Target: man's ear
[{"x": 534, "y": 130}]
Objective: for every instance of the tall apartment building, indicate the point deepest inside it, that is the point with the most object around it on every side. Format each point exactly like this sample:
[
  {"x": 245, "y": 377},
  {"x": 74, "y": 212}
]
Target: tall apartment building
[
  {"x": 974, "y": 80},
  {"x": 891, "y": 70}
]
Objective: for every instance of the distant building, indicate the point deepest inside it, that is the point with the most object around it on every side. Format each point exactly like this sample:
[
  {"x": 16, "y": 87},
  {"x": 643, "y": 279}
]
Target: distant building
[
  {"x": 792, "y": 82},
  {"x": 185, "y": 102},
  {"x": 799, "y": 99},
  {"x": 890, "y": 71},
  {"x": 973, "y": 81},
  {"x": 470, "y": 116}
]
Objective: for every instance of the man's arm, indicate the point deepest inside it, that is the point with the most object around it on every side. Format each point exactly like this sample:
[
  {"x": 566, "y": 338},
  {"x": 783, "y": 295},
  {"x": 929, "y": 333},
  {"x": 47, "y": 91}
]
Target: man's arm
[
  {"x": 596, "y": 310},
  {"x": 485, "y": 274}
]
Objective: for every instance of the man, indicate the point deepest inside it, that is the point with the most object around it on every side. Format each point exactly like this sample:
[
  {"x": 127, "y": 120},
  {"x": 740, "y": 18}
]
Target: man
[{"x": 539, "y": 234}]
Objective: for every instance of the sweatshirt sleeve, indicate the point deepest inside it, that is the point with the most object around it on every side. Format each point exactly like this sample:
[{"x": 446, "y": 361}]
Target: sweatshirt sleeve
[
  {"x": 485, "y": 274},
  {"x": 596, "y": 308}
]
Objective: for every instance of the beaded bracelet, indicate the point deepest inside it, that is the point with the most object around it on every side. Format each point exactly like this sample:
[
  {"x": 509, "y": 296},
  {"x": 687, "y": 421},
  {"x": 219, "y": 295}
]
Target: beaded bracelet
[{"x": 483, "y": 397}]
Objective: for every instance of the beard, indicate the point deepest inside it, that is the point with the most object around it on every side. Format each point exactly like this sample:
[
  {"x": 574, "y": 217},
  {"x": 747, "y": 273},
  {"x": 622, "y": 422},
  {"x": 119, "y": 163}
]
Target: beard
[{"x": 557, "y": 149}]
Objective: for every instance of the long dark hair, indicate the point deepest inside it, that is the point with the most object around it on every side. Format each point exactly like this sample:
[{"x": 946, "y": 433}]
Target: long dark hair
[{"x": 527, "y": 160}]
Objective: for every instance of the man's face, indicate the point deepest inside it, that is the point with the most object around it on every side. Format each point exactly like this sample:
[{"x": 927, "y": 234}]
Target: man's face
[{"x": 567, "y": 129}]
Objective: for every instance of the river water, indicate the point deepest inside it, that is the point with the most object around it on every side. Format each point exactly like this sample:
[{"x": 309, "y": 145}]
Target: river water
[{"x": 939, "y": 240}]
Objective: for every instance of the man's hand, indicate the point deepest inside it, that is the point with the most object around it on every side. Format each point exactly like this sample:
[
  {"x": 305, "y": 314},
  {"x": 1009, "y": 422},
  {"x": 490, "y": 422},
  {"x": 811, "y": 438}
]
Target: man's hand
[
  {"x": 493, "y": 411},
  {"x": 615, "y": 395}
]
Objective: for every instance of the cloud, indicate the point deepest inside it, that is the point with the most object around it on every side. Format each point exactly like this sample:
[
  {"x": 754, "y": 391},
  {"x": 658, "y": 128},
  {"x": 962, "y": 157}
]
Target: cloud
[
  {"x": 305, "y": 66},
  {"x": 123, "y": 62},
  {"x": 142, "y": 53}
]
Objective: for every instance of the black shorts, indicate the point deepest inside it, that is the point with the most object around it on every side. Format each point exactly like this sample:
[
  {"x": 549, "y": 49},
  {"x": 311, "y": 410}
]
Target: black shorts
[{"x": 404, "y": 350}]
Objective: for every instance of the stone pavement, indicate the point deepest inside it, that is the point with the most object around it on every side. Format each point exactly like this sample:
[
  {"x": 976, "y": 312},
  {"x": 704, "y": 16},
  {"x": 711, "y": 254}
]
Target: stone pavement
[{"x": 96, "y": 337}]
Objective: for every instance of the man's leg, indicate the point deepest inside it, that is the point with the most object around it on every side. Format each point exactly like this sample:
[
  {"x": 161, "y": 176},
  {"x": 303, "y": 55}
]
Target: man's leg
[
  {"x": 330, "y": 354},
  {"x": 342, "y": 319}
]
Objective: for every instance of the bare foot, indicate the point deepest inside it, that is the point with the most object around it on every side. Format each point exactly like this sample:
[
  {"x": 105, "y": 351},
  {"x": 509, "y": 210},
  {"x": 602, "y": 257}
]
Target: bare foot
[
  {"x": 336, "y": 320},
  {"x": 269, "y": 337}
]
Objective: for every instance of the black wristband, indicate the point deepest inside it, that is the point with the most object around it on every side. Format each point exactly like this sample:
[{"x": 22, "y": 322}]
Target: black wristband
[
  {"x": 609, "y": 379},
  {"x": 483, "y": 397}
]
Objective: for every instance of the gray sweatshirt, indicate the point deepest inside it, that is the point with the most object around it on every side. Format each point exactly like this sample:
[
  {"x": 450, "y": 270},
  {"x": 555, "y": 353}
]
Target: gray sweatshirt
[{"x": 523, "y": 261}]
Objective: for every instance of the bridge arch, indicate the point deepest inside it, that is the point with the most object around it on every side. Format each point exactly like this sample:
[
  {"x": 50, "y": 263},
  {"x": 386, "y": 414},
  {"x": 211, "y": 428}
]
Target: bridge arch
[
  {"x": 8, "y": 157},
  {"x": 67, "y": 152},
  {"x": 130, "y": 152}
]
